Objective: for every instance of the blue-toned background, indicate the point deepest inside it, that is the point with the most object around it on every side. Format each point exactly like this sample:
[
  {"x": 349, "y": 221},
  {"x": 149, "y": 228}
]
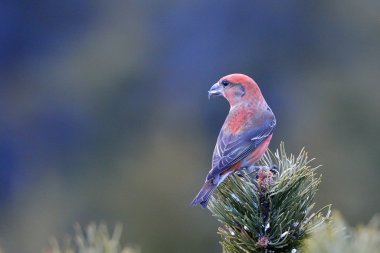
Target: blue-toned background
[{"x": 104, "y": 113}]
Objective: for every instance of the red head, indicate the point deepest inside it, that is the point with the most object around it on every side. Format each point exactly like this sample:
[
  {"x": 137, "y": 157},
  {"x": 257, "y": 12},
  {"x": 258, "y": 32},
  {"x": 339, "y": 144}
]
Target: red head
[{"x": 237, "y": 88}]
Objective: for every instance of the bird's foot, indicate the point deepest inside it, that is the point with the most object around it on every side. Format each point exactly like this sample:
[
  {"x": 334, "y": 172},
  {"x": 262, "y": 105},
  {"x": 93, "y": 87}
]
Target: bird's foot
[
  {"x": 274, "y": 169},
  {"x": 254, "y": 169},
  {"x": 240, "y": 173}
]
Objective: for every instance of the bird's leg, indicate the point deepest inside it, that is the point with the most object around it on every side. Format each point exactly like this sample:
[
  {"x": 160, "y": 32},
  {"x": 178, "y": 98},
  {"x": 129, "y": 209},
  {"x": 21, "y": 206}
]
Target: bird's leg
[
  {"x": 239, "y": 173},
  {"x": 255, "y": 168},
  {"x": 274, "y": 169}
]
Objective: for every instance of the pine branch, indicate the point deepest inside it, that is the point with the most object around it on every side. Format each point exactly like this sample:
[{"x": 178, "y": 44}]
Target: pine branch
[
  {"x": 335, "y": 237},
  {"x": 94, "y": 239},
  {"x": 268, "y": 211}
]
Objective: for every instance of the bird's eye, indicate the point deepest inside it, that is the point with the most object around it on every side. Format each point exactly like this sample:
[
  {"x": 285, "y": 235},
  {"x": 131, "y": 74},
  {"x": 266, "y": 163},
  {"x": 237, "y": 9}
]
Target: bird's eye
[{"x": 225, "y": 83}]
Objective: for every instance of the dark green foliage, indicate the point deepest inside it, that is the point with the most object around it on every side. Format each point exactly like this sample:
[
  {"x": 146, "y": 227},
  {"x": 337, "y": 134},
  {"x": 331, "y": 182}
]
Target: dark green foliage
[{"x": 268, "y": 211}]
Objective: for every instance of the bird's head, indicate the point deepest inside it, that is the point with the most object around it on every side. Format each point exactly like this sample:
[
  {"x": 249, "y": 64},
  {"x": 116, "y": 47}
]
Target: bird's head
[{"x": 236, "y": 88}]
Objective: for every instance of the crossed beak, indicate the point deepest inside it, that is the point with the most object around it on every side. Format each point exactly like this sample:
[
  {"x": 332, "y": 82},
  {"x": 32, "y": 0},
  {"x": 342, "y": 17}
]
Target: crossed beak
[{"x": 215, "y": 90}]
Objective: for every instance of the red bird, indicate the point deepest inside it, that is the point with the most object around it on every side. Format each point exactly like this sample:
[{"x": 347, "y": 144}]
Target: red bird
[{"x": 245, "y": 134}]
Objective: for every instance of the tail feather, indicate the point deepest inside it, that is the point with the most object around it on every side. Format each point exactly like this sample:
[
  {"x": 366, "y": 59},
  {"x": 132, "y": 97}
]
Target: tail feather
[{"x": 204, "y": 194}]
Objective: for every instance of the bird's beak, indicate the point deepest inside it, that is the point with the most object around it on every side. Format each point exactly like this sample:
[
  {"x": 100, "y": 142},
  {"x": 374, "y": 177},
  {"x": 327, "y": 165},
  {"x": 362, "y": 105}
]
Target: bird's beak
[{"x": 215, "y": 90}]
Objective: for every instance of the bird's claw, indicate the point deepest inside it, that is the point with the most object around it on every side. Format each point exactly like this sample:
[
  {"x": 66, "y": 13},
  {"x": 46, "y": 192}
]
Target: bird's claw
[
  {"x": 240, "y": 174},
  {"x": 256, "y": 168},
  {"x": 274, "y": 169}
]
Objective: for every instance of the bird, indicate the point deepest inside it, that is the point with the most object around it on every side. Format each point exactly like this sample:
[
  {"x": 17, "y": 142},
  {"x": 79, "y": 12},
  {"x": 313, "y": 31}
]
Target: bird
[{"x": 244, "y": 136}]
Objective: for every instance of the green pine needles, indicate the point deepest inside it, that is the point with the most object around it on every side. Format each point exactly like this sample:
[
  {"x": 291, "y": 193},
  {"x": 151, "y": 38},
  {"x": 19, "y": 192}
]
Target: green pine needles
[
  {"x": 93, "y": 239},
  {"x": 269, "y": 211},
  {"x": 337, "y": 237}
]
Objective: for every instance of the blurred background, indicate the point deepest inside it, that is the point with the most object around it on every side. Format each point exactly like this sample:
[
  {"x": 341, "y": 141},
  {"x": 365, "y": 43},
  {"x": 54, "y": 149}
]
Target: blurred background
[{"x": 104, "y": 113}]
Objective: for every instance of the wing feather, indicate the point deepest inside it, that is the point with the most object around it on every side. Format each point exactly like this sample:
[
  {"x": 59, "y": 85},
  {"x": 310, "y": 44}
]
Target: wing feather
[{"x": 230, "y": 148}]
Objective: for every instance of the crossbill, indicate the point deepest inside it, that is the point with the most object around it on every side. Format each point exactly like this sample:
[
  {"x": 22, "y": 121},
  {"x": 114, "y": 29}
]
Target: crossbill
[{"x": 245, "y": 134}]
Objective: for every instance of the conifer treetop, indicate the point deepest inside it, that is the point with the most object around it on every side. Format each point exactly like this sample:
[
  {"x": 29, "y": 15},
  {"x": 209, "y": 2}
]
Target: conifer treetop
[{"x": 269, "y": 211}]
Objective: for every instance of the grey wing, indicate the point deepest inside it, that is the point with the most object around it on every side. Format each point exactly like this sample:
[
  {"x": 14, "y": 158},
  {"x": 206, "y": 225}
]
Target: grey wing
[{"x": 230, "y": 149}]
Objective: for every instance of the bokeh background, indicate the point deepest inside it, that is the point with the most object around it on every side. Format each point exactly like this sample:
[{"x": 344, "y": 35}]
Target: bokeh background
[{"x": 104, "y": 113}]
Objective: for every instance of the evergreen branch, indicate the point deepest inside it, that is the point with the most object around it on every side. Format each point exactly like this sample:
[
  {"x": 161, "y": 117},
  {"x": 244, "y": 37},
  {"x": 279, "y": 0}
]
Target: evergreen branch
[
  {"x": 268, "y": 211},
  {"x": 335, "y": 236},
  {"x": 94, "y": 239}
]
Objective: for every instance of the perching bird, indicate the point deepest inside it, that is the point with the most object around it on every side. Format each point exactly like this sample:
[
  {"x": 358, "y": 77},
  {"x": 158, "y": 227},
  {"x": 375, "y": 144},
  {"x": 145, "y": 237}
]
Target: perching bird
[{"x": 245, "y": 134}]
